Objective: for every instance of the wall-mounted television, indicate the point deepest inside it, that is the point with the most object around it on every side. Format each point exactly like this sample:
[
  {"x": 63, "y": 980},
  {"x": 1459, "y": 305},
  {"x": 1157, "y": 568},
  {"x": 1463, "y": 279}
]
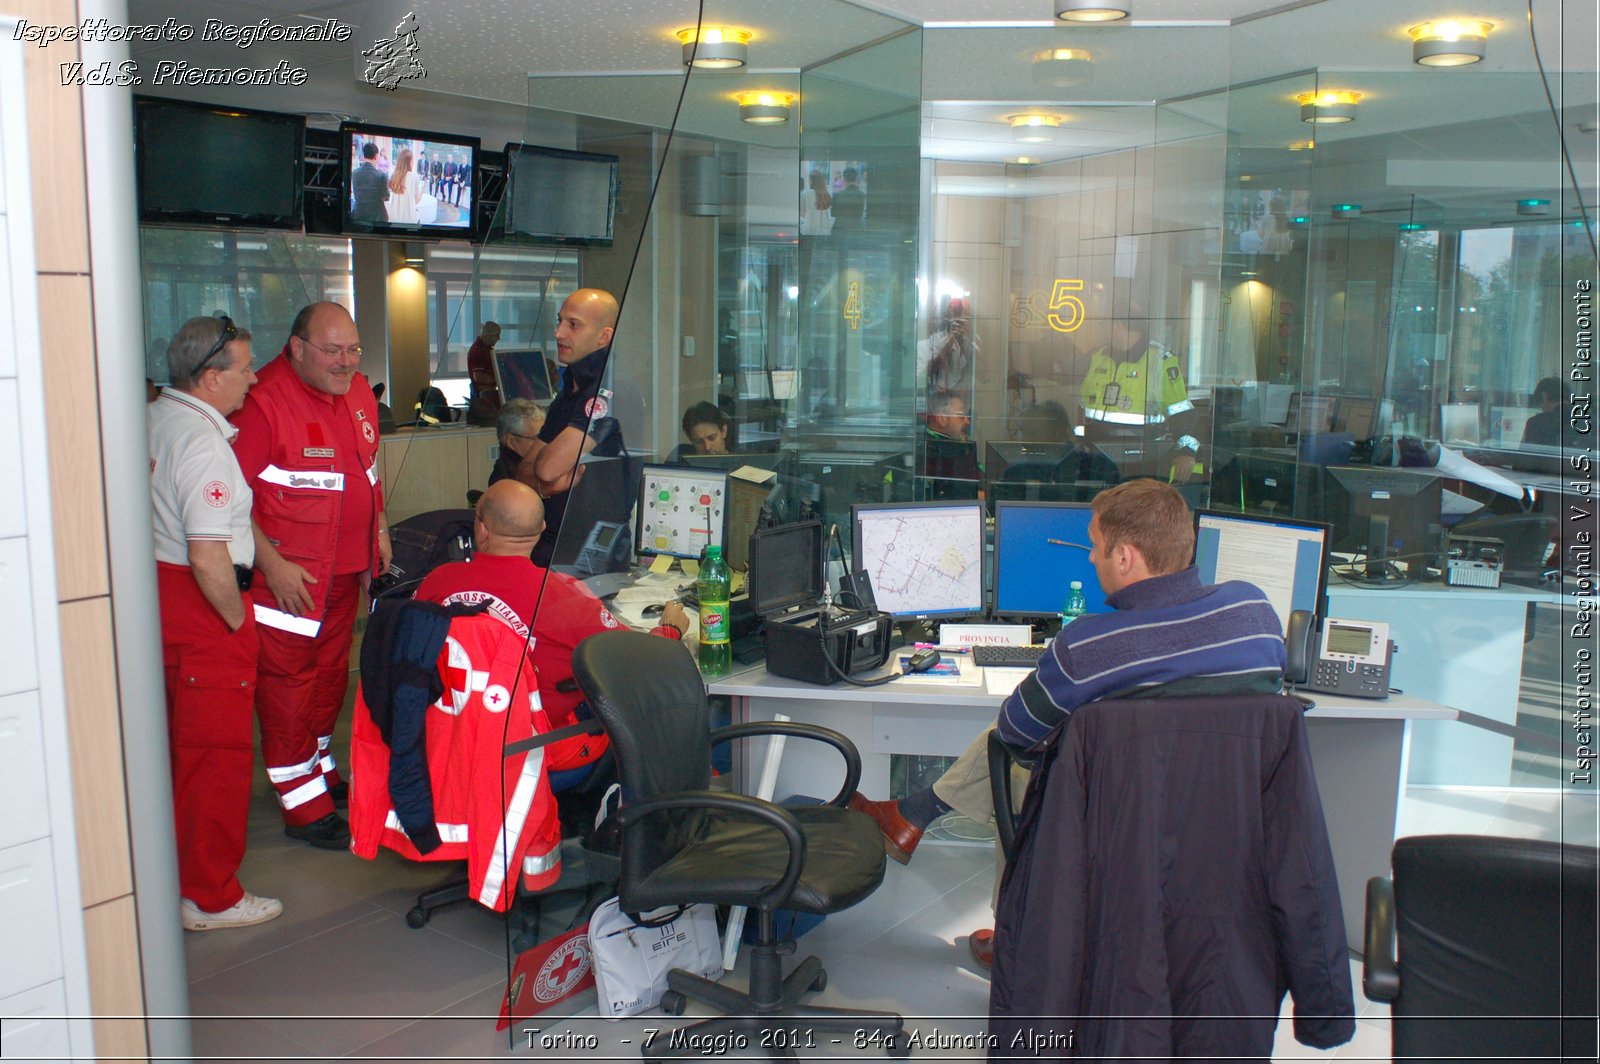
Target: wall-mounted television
[
  {"x": 555, "y": 196},
  {"x": 206, "y": 165},
  {"x": 407, "y": 182}
]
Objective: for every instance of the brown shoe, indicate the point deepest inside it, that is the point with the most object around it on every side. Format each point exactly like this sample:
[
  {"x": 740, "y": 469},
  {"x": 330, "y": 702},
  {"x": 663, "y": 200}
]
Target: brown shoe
[
  {"x": 900, "y": 836},
  {"x": 981, "y": 943}
]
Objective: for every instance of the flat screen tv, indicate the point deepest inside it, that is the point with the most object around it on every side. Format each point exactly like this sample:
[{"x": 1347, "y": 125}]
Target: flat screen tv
[
  {"x": 555, "y": 196},
  {"x": 212, "y": 166},
  {"x": 407, "y": 182}
]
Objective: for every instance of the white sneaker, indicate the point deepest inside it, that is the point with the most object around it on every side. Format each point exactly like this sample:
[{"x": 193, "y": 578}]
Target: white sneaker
[{"x": 247, "y": 911}]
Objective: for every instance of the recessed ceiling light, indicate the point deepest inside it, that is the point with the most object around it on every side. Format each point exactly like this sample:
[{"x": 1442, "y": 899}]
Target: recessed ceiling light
[
  {"x": 1093, "y": 10},
  {"x": 1533, "y": 207},
  {"x": 1033, "y": 128},
  {"x": 1062, "y": 66},
  {"x": 1450, "y": 42},
  {"x": 1302, "y": 145},
  {"x": 764, "y": 107},
  {"x": 1328, "y": 106},
  {"x": 714, "y": 47},
  {"x": 1346, "y": 210}
]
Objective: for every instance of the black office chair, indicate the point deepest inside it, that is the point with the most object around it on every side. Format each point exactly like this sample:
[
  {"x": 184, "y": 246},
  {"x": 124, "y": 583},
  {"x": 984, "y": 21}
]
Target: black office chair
[
  {"x": 1496, "y": 949},
  {"x": 684, "y": 843}
]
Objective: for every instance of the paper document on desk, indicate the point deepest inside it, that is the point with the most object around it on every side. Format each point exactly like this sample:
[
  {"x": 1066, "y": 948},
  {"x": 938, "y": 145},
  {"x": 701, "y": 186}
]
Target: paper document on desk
[
  {"x": 1001, "y": 681},
  {"x": 956, "y": 669},
  {"x": 1453, "y": 463}
]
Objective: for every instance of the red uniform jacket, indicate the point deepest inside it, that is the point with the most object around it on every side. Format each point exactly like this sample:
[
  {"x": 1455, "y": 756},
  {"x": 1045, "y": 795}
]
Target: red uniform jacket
[
  {"x": 494, "y": 812},
  {"x": 295, "y": 449}
]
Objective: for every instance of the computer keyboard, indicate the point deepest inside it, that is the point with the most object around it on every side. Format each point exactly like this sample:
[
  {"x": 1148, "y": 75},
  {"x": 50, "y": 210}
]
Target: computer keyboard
[{"x": 1015, "y": 657}]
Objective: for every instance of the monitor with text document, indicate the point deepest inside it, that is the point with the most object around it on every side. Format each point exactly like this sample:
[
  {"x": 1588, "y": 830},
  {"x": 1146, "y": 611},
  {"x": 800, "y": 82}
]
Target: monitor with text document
[{"x": 1287, "y": 560}]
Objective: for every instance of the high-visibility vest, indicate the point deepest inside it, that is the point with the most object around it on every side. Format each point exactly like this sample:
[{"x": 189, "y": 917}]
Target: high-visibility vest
[{"x": 1121, "y": 393}]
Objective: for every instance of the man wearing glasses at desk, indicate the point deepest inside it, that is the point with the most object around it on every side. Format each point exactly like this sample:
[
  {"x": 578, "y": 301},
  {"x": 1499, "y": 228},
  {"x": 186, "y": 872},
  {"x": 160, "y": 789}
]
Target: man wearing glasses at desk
[{"x": 308, "y": 445}]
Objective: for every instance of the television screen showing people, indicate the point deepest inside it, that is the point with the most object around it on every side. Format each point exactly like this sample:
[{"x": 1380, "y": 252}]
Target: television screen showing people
[{"x": 409, "y": 181}]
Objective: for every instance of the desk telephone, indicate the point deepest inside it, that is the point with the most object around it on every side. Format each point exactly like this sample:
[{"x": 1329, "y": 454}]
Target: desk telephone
[{"x": 1352, "y": 658}]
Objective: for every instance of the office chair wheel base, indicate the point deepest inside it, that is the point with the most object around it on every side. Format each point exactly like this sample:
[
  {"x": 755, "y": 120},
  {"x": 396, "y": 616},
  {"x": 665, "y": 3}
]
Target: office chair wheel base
[
  {"x": 417, "y": 918},
  {"x": 820, "y": 983},
  {"x": 673, "y": 1003}
]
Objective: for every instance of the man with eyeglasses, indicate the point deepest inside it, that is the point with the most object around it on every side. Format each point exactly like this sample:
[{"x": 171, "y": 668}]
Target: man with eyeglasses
[
  {"x": 308, "y": 444},
  {"x": 204, "y": 550},
  {"x": 518, "y": 424}
]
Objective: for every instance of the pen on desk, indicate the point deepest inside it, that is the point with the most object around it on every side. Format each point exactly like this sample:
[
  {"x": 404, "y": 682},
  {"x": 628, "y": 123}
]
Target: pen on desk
[{"x": 941, "y": 649}]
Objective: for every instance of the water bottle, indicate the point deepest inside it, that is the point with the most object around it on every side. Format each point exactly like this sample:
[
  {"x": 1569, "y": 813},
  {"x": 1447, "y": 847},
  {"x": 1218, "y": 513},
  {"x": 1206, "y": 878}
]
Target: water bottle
[
  {"x": 1075, "y": 606},
  {"x": 712, "y": 587}
]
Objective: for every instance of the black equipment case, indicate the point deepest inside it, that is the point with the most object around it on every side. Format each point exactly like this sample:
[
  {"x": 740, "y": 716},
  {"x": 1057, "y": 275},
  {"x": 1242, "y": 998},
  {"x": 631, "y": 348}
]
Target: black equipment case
[{"x": 786, "y": 582}]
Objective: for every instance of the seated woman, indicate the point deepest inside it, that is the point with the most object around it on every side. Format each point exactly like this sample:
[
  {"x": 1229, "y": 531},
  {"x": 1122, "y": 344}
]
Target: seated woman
[{"x": 708, "y": 430}]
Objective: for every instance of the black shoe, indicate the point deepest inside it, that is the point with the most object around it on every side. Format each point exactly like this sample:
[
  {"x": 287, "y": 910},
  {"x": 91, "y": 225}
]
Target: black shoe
[
  {"x": 340, "y": 793},
  {"x": 329, "y": 833}
]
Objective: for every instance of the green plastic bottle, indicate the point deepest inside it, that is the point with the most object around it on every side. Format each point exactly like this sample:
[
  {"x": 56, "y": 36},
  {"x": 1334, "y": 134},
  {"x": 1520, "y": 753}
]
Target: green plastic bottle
[
  {"x": 1075, "y": 606},
  {"x": 712, "y": 586}
]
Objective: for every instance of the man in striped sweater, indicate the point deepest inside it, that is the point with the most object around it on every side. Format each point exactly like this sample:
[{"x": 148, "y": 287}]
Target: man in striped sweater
[{"x": 1169, "y": 635}]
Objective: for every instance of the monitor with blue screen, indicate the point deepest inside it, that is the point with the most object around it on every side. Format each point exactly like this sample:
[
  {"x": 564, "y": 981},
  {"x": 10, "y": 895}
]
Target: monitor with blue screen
[
  {"x": 925, "y": 559},
  {"x": 1039, "y": 549},
  {"x": 1287, "y": 560}
]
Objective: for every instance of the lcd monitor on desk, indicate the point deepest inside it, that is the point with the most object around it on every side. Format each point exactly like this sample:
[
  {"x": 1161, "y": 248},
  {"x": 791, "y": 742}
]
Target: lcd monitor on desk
[
  {"x": 681, "y": 511},
  {"x": 925, "y": 559},
  {"x": 1385, "y": 513},
  {"x": 1039, "y": 549},
  {"x": 1287, "y": 560}
]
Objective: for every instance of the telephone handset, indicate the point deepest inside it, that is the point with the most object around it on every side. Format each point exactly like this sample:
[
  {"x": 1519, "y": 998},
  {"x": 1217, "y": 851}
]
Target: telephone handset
[{"x": 1350, "y": 658}]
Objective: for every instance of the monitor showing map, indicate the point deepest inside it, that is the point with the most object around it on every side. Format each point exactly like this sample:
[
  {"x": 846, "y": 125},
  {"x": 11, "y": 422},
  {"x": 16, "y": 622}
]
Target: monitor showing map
[
  {"x": 681, "y": 511},
  {"x": 925, "y": 559}
]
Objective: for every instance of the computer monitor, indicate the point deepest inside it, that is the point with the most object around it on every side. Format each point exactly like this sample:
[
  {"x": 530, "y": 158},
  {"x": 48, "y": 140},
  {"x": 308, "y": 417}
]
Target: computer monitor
[
  {"x": 1355, "y": 417},
  {"x": 1310, "y": 413},
  {"x": 523, "y": 375},
  {"x": 681, "y": 511},
  {"x": 777, "y": 461},
  {"x": 1387, "y": 514},
  {"x": 1458, "y": 423},
  {"x": 1287, "y": 560},
  {"x": 1039, "y": 549},
  {"x": 925, "y": 559}
]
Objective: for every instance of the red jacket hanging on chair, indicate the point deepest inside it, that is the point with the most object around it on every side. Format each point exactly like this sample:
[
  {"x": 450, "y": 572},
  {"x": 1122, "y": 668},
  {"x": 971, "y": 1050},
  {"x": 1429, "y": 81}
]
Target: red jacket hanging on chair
[{"x": 495, "y": 812}]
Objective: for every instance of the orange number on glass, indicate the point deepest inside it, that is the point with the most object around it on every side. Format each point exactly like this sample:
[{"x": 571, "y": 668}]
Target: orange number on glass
[{"x": 1060, "y": 299}]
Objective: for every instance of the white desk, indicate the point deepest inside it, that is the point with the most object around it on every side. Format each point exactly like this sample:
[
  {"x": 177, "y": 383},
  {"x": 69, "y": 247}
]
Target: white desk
[{"x": 1360, "y": 750}]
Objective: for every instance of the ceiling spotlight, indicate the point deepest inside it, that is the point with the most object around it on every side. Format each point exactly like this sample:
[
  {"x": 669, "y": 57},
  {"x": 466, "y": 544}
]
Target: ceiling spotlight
[
  {"x": 714, "y": 47},
  {"x": 1062, "y": 66},
  {"x": 1450, "y": 42},
  {"x": 763, "y": 107},
  {"x": 1302, "y": 145},
  {"x": 1411, "y": 227},
  {"x": 1093, "y": 10},
  {"x": 1533, "y": 207},
  {"x": 1033, "y": 128},
  {"x": 1328, "y": 106},
  {"x": 1346, "y": 210},
  {"x": 1026, "y": 160}
]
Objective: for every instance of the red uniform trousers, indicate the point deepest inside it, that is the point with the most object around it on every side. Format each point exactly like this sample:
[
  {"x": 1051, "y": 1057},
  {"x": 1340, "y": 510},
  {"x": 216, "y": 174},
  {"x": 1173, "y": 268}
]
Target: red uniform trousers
[
  {"x": 303, "y": 683},
  {"x": 211, "y": 686}
]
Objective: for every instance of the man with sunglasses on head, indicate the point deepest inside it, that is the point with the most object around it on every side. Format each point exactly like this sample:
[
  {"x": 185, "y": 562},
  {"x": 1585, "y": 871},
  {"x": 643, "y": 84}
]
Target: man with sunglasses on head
[
  {"x": 308, "y": 444},
  {"x": 204, "y": 551}
]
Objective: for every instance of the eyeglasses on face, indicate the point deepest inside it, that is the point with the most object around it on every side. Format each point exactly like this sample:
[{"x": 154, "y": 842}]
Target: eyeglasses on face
[
  {"x": 354, "y": 350},
  {"x": 230, "y": 332}
]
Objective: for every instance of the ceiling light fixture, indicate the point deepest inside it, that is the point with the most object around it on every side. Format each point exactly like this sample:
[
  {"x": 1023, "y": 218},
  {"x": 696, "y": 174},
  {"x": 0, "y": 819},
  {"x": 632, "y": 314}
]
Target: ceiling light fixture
[
  {"x": 1302, "y": 145},
  {"x": 1062, "y": 66},
  {"x": 1533, "y": 207},
  {"x": 714, "y": 47},
  {"x": 1450, "y": 42},
  {"x": 1346, "y": 210},
  {"x": 1328, "y": 106},
  {"x": 1033, "y": 128},
  {"x": 1093, "y": 10},
  {"x": 763, "y": 107},
  {"x": 1026, "y": 160}
]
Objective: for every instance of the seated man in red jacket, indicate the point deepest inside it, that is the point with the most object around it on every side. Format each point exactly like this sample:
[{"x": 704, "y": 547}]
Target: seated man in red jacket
[{"x": 562, "y": 612}]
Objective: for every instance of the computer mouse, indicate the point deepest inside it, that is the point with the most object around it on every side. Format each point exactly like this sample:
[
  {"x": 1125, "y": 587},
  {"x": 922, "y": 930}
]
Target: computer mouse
[
  {"x": 922, "y": 660},
  {"x": 654, "y": 610}
]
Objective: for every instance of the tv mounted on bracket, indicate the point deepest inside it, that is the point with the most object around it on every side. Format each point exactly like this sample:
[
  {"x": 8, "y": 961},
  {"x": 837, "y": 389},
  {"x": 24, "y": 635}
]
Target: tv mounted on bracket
[
  {"x": 407, "y": 182},
  {"x": 207, "y": 165},
  {"x": 556, "y": 196}
]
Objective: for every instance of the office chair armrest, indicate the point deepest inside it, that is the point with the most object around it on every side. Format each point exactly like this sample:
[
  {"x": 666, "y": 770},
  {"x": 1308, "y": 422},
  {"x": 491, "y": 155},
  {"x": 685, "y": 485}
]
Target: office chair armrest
[
  {"x": 1380, "y": 977},
  {"x": 739, "y": 805},
  {"x": 1000, "y": 762},
  {"x": 846, "y": 748}
]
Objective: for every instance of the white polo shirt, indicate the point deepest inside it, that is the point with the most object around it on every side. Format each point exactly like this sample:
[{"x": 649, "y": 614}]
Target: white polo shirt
[{"x": 196, "y": 487}]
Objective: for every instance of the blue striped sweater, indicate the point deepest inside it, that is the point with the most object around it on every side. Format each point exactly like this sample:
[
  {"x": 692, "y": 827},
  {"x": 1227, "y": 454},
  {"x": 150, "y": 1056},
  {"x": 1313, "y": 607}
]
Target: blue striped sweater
[{"x": 1169, "y": 631}]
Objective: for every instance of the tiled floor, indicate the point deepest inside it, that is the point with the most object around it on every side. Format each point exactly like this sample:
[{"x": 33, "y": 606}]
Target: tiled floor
[{"x": 340, "y": 974}]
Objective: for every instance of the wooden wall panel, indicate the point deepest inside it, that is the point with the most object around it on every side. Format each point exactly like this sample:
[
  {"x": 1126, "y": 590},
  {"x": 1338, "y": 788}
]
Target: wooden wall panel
[
  {"x": 55, "y": 120},
  {"x": 95, "y": 730},
  {"x": 71, "y": 413},
  {"x": 114, "y": 981}
]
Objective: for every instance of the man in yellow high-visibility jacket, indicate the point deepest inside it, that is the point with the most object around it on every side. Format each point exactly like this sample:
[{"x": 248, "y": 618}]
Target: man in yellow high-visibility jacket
[{"x": 1132, "y": 381}]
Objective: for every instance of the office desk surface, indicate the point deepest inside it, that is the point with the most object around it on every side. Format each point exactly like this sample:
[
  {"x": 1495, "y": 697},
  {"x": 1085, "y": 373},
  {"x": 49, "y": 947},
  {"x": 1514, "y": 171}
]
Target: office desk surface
[{"x": 757, "y": 682}]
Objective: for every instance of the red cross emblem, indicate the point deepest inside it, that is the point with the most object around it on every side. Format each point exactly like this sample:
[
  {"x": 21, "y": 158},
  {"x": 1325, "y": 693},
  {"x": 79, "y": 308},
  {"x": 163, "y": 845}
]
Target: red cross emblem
[
  {"x": 216, "y": 494},
  {"x": 563, "y": 970},
  {"x": 496, "y": 698},
  {"x": 458, "y": 675}
]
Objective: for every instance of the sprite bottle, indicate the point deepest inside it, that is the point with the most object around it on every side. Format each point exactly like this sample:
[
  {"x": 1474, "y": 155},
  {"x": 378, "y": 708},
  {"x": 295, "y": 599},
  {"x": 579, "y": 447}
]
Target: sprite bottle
[{"x": 712, "y": 587}]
